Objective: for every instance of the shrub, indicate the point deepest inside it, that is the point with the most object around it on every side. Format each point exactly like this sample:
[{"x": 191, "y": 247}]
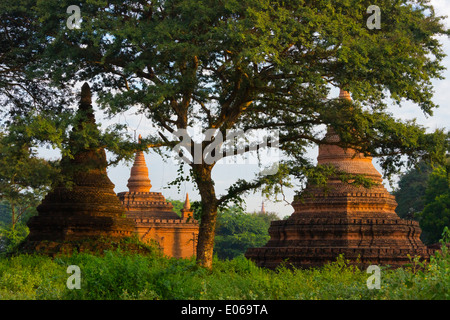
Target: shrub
[{"x": 122, "y": 275}]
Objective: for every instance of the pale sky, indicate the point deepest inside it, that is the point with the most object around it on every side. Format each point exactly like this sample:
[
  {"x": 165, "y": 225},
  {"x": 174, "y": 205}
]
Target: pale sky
[{"x": 225, "y": 175}]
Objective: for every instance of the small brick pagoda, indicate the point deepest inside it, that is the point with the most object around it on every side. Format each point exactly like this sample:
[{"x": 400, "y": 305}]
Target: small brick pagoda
[
  {"x": 154, "y": 217},
  {"x": 351, "y": 220},
  {"x": 83, "y": 208}
]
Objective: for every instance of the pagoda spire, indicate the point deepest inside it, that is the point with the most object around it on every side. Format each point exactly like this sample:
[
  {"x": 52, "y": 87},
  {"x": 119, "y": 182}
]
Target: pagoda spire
[
  {"x": 139, "y": 180},
  {"x": 187, "y": 204},
  {"x": 187, "y": 213}
]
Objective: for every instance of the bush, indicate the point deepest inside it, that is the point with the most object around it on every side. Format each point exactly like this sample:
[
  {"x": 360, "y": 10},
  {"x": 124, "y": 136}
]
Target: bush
[
  {"x": 121, "y": 275},
  {"x": 11, "y": 237}
]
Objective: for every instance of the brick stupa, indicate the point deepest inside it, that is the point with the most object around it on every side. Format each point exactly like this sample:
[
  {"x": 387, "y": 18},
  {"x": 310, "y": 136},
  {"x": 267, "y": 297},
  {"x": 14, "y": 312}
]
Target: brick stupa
[
  {"x": 83, "y": 207},
  {"x": 155, "y": 220},
  {"x": 351, "y": 220}
]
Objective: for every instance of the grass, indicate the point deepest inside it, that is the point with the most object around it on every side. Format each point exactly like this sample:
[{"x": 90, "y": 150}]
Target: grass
[{"x": 121, "y": 275}]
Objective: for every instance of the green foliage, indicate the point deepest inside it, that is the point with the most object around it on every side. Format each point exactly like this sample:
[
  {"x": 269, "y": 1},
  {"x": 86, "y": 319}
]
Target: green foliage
[
  {"x": 25, "y": 92},
  {"x": 24, "y": 177},
  {"x": 120, "y": 275},
  {"x": 411, "y": 191},
  {"x": 197, "y": 207},
  {"x": 11, "y": 236},
  {"x": 31, "y": 277},
  {"x": 436, "y": 213},
  {"x": 237, "y": 231},
  {"x": 177, "y": 206},
  {"x": 22, "y": 172},
  {"x": 422, "y": 281},
  {"x": 5, "y": 213},
  {"x": 254, "y": 64}
]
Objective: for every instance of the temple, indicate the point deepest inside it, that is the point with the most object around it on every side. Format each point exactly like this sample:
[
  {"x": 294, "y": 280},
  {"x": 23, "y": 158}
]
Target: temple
[
  {"x": 153, "y": 216},
  {"x": 83, "y": 207},
  {"x": 356, "y": 222}
]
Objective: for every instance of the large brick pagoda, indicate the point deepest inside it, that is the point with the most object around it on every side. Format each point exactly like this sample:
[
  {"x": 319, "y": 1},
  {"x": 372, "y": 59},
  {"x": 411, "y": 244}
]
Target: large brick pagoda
[
  {"x": 154, "y": 217},
  {"x": 351, "y": 220},
  {"x": 83, "y": 208}
]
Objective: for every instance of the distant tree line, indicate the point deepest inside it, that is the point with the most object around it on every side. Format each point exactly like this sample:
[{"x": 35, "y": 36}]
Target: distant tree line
[
  {"x": 236, "y": 229},
  {"x": 423, "y": 195}
]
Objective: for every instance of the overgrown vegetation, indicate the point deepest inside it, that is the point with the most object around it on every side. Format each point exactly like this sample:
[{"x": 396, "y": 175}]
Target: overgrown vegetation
[
  {"x": 121, "y": 275},
  {"x": 11, "y": 234}
]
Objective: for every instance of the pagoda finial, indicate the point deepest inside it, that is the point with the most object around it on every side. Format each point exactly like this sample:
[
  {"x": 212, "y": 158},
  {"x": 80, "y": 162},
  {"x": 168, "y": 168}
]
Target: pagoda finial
[
  {"x": 86, "y": 95},
  {"x": 85, "y": 107}
]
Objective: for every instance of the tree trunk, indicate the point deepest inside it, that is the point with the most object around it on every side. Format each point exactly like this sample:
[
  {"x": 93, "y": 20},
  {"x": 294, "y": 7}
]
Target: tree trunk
[
  {"x": 13, "y": 216},
  {"x": 205, "y": 245}
]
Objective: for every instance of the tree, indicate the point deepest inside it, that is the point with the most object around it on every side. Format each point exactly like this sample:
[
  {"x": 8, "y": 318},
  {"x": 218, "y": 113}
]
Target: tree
[
  {"x": 177, "y": 206},
  {"x": 24, "y": 180},
  {"x": 237, "y": 231},
  {"x": 252, "y": 64},
  {"x": 5, "y": 212},
  {"x": 25, "y": 91},
  {"x": 436, "y": 213},
  {"x": 411, "y": 191}
]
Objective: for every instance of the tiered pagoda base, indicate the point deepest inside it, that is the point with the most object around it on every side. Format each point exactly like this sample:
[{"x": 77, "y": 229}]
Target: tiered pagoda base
[
  {"x": 78, "y": 217},
  {"x": 306, "y": 242},
  {"x": 140, "y": 205}
]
